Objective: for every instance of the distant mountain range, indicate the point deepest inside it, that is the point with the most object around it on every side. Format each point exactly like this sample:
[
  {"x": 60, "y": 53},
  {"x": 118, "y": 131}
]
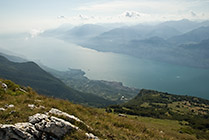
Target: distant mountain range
[
  {"x": 162, "y": 42},
  {"x": 30, "y": 74},
  {"x": 193, "y": 36}
]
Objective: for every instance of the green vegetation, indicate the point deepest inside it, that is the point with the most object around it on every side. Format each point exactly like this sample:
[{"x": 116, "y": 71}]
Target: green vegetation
[
  {"x": 105, "y": 125},
  {"x": 113, "y": 91},
  {"x": 30, "y": 74},
  {"x": 193, "y": 112}
]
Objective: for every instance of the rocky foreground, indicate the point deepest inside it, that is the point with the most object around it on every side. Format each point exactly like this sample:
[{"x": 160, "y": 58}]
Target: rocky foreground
[{"x": 52, "y": 125}]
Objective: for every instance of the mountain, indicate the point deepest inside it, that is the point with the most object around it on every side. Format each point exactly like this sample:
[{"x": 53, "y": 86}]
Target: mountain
[
  {"x": 152, "y": 48},
  {"x": 201, "y": 46},
  {"x": 162, "y": 42},
  {"x": 119, "y": 36},
  {"x": 193, "y": 36},
  {"x": 13, "y": 58},
  {"x": 30, "y": 74},
  {"x": 25, "y": 114},
  {"x": 111, "y": 41},
  {"x": 184, "y": 25},
  {"x": 194, "y": 111},
  {"x": 57, "y": 32},
  {"x": 149, "y": 44},
  {"x": 113, "y": 91},
  {"x": 159, "y": 30},
  {"x": 83, "y": 32}
]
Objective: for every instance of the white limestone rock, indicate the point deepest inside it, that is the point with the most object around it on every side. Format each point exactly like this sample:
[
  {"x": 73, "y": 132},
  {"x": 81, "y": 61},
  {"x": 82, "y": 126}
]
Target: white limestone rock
[
  {"x": 91, "y": 136},
  {"x": 10, "y": 106},
  {"x": 31, "y": 106},
  {"x": 42, "y": 127},
  {"x": 68, "y": 117},
  {"x": 2, "y": 109},
  {"x": 37, "y": 118},
  {"x": 51, "y": 125},
  {"x": 64, "y": 114},
  {"x": 8, "y": 132}
]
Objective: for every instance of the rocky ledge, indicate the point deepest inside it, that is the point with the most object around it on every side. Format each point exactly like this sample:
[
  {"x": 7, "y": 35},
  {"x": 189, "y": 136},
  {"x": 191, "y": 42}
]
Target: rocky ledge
[{"x": 44, "y": 127}]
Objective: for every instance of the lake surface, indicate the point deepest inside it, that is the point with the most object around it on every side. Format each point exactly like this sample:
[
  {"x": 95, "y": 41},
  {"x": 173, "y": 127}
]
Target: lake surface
[{"x": 131, "y": 71}]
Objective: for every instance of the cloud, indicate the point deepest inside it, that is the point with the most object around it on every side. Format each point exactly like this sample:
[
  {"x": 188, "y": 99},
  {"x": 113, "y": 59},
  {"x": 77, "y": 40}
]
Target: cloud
[
  {"x": 131, "y": 14},
  {"x": 145, "y": 6},
  {"x": 134, "y": 11},
  {"x": 193, "y": 14},
  {"x": 35, "y": 32},
  {"x": 61, "y": 17},
  {"x": 83, "y": 17},
  {"x": 124, "y": 17}
]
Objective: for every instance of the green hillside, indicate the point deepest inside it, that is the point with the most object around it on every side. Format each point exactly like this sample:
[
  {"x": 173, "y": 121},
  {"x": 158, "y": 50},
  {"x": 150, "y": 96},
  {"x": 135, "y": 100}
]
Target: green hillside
[
  {"x": 113, "y": 91},
  {"x": 30, "y": 74},
  {"x": 109, "y": 126},
  {"x": 193, "y": 112}
]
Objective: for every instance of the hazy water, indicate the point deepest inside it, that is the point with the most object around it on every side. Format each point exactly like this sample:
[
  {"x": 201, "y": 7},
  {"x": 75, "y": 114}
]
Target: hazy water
[{"x": 131, "y": 71}]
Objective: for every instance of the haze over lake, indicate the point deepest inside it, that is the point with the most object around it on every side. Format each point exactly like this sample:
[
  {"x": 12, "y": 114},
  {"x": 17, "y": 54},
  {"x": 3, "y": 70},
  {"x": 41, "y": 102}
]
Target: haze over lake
[{"x": 133, "y": 72}]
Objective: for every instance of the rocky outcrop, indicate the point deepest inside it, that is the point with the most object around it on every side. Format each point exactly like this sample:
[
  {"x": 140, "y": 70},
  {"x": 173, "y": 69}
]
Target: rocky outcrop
[
  {"x": 69, "y": 118},
  {"x": 58, "y": 112},
  {"x": 91, "y": 136},
  {"x": 42, "y": 127},
  {"x": 3, "y": 85}
]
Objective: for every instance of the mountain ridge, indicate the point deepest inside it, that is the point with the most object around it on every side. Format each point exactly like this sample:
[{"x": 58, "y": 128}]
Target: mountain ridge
[
  {"x": 162, "y": 105},
  {"x": 20, "y": 104},
  {"x": 30, "y": 74}
]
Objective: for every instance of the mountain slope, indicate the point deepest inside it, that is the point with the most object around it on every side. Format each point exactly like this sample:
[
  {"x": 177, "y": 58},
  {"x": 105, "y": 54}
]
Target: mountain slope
[
  {"x": 194, "y": 111},
  {"x": 83, "y": 32},
  {"x": 183, "y": 25},
  {"x": 195, "y": 35},
  {"x": 30, "y": 74},
  {"x": 113, "y": 91},
  {"x": 16, "y": 107},
  {"x": 13, "y": 58}
]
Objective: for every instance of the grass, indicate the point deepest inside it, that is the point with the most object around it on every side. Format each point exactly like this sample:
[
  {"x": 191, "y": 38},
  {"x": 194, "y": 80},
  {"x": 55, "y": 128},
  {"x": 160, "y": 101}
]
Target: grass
[{"x": 105, "y": 125}]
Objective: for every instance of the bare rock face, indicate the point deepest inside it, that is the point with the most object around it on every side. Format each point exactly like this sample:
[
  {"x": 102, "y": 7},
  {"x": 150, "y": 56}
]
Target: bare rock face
[
  {"x": 91, "y": 136},
  {"x": 58, "y": 112},
  {"x": 41, "y": 127},
  {"x": 70, "y": 118},
  {"x": 51, "y": 125},
  {"x": 17, "y": 132}
]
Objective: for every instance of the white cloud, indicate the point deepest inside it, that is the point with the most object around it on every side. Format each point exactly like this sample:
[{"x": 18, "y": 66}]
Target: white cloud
[
  {"x": 83, "y": 17},
  {"x": 193, "y": 14},
  {"x": 35, "y": 32},
  {"x": 174, "y": 10},
  {"x": 124, "y": 17},
  {"x": 61, "y": 17},
  {"x": 131, "y": 14},
  {"x": 143, "y": 5}
]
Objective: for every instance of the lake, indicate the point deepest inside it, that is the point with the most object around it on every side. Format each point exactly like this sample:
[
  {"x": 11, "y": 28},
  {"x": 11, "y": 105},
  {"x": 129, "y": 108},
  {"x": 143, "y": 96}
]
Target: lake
[{"x": 131, "y": 71}]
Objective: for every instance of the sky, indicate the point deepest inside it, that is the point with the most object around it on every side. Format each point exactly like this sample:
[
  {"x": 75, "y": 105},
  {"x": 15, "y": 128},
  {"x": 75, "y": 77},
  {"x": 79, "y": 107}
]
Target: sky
[{"x": 38, "y": 15}]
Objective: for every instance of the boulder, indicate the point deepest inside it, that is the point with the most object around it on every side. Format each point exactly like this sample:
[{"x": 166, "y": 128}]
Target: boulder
[
  {"x": 39, "y": 127},
  {"x": 31, "y": 106},
  {"x": 91, "y": 136},
  {"x": 10, "y": 106},
  {"x": 16, "y": 132},
  {"x": 68, "y": 117},
  {"x": 58, "y": 112},
  {"x": 42, "y": 127},
  {"x": 51, "y": 125},
  {"x": 4, "y": 86},
  {"x": 2, "y": 109}
]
